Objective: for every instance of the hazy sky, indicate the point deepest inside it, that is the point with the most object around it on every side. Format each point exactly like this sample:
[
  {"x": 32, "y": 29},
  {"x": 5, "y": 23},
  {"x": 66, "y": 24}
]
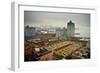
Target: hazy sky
[{"x": 51, "y": 19}]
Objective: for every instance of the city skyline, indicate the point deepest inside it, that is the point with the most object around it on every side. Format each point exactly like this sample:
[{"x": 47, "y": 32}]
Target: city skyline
[
  {"x": 56, "y": 36},
  {"x": 58, "y": 20}
]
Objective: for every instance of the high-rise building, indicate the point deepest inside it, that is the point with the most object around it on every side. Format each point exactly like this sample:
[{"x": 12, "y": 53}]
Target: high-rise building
[
  {"x": 61, "y": 33},
  {"x": 29, "y": 32},
  {"x": 70, "y": 29}
]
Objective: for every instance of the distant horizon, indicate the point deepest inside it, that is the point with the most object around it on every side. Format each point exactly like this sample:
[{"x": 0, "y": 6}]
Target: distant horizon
[{"x": 58, "y": 20}]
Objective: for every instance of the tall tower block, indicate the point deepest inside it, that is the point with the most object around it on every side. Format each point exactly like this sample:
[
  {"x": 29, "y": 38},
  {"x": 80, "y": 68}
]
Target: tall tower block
[{"x": 70, "y": 29}]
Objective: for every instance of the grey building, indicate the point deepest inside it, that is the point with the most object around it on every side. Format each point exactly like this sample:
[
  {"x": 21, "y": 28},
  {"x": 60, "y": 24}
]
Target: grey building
[
  {"x": 61, "y": 33},
  {"x": 70, "y": 29},
  {"x": 29, "y": 32}
]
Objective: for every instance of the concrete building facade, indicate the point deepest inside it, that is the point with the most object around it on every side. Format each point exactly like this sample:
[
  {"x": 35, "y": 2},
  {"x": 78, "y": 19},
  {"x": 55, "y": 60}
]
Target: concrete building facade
[{"x": 70, "y": 29}]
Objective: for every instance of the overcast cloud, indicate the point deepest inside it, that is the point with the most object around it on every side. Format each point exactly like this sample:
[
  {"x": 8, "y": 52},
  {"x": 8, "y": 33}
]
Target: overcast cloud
[{"x": 55, "y": 20}]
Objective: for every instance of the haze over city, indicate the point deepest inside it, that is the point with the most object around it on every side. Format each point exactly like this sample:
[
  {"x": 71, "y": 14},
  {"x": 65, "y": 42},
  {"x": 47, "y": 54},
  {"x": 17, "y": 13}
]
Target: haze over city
[
  {"x": 56, "y": 36},
  {"x": 59, "y": 20}
]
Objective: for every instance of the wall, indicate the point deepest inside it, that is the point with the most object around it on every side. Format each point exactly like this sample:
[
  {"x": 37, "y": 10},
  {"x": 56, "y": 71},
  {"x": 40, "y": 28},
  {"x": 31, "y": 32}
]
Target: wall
[{"x": 5, "y": 34}]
